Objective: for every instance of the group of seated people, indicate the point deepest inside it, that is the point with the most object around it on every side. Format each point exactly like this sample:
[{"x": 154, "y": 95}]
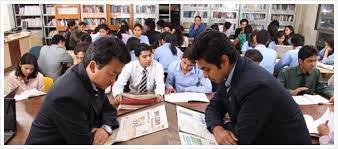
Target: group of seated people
[{"x": 158, "y": 66}]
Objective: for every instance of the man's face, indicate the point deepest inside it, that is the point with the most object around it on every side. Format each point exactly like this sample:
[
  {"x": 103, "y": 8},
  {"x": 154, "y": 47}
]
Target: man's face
[
  {"x": 81, "y": 27},
  {"x": 103, "y": 21},
  {"x": 105, "y": 76},
  {"x": 197, "y": 21},
  {"x": 79, "y": 56},
  {"x": 186, "y": 64},
  {"x": 103, "y": 33},
  {"x": 211, "y": 71},
  {"x": 145, "y": 58},
  {"x": 309, "y": 64}
]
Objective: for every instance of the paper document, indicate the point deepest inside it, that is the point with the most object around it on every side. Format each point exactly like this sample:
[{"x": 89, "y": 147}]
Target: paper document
[
  {"x": 313, "y": 124},
  {"x": 187, "y": 139},
  {"x": 193, "y": 122},
  {"x": 139, "y": 124},
  {"x": 329, "y": 67},
  {"x": 29, "y": 93},
  {"x": 310, "y": 99},
  {"x": 185, "y": 97}
]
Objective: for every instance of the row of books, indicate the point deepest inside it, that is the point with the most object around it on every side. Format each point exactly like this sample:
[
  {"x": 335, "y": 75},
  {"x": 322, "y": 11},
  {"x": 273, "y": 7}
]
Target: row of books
[
  {"x": 283, "y": 6},
  {"x": 93, "y": 9},
  {"x": 91, "y": 21},
  {"x": 30, "y": 10},
  {"x": 254, "y": 6},
  {"x": 282, "y": 17},
  {"x": 254, "y": 16},
  {"x": 119, "y": 9},
  {"x": 33, "y": 22},
  {"x": 225, "y": 6},
  {"x": 192, "y": 14},
  {"x": 68, "y": 10},
  {"x": 64, "y": 22},
  {"x": 117, "y": 21},
  {"x": 149, "y": 9},
  {"x": 224, "y": 15}
]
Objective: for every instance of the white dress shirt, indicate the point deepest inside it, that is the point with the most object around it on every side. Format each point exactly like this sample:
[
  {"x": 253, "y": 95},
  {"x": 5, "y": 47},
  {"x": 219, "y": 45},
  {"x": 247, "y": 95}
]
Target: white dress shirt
[{"x": 132, "y": 72}]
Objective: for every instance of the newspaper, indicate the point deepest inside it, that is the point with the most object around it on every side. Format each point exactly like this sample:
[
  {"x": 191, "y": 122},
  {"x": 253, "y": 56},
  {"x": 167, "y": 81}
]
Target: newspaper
[
  {"x": 185, "y": 97},
  {"x": 310, "y": 99},
  {"x": 193, "y": 122},
  {"x": 187, "y": 139},
  {"x": 139, "y": 124},
  {"x": 29, "y": 93}
]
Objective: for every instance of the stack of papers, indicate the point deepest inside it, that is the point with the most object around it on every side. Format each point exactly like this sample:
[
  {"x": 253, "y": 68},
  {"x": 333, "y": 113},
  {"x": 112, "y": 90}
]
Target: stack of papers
[
  {"x": 29, "y": 93},
  {"x": 186, "y": 97},
  {"x": 310, "y": 99}
]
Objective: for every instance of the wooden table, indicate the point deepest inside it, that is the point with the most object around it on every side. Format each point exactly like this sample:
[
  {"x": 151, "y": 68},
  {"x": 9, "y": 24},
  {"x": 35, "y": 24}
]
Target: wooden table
[{"x": 27, "y": 110}]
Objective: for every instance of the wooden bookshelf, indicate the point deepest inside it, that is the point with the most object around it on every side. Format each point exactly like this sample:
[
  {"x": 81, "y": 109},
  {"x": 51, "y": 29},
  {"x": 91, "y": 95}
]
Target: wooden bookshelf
[
  {"x": 117, "y": 13},
  {"x": 91, "y": 14},
  {"x": 61, "y": 16}
]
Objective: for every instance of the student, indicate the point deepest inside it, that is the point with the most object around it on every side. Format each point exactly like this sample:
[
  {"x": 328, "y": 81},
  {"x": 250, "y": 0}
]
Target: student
[
  {"x": 196, "y": 28},
  {"x": 272, "y": 29},
  {"x": 214, "y": 27},
  {"x": 226, "y": 29},
  {"x": 326, "y": 55},
  {"x": 86, "y": 38},
  {"x": 250, "y": 43},
  {"x": 289, "y": 31},
  {"x": 305, "y": 78},
  {"x": 51, "y": 57},
  {"x": 159, "y": 26},
  {"x": 269, "y": 55},
  {"x": 244, "y": 23},
  {"x": 168, "y": 27},
  {"x": 103, "y": 21},
  {"x": 124, "y": 22},
  {"x": 278, "y": 40},
  {"x": 67, "y": 33},
  {"x": 290, "y": 58},
  {"x": 241, "y": 97},
  {"x": 275, "y": 22},
  {"x": 123, "y": 34},
  {"x": 182, "y": 40},
  {"x": 103, "y": 31},
  {"x": 144, "y": 75},
  {"x": 80, "y": 51},
  {"x": 132, "y": 44},
  {"x": 242, "y": 37},
  {"x": 138, "y": 34},
  {"x": 184, "y": 76},
  {"x": 26, "y": 76},
  {"x": 153, "y": 36},
  {"x": 76, "y": 110},
  {"x": 76, "y": 35},
  {"x": 254, "y": 55},
  {"x": 168, "y": 52}
]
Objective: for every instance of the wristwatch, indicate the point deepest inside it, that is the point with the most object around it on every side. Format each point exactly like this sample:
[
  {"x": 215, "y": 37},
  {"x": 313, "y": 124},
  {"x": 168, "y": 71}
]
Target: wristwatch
[{"x": 107, "y": 129}]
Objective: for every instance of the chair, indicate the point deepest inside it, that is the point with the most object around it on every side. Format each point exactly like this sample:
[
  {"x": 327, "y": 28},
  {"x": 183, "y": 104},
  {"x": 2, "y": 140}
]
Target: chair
[
  {"x": 48, "y": 83},
  {"x": 35, "y": 51}
]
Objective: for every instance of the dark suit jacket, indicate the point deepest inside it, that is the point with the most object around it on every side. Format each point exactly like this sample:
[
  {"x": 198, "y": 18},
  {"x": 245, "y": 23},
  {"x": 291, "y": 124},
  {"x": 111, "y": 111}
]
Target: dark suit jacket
[
  {"x": 153, "y": 37},
  {"x": 70, "y": 110},
  {"x": 261, "y": 110}
]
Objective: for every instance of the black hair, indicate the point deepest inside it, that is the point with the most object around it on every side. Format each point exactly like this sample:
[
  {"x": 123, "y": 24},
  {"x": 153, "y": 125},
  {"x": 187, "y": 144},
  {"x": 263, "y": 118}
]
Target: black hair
[
  {"x": 103, "y": 19},
  {"x": 57, "y": 38},
  {"x": 133, "y": 43},
  {"x": 297, "y": 40},
  {"x": 274, "y": 22},
  {"x": 27, "y": 58},
  {"x": 179, "y": 35},
  {"x": 251, "y": 37},
  {"x": 291, "y": 28},
  {"x": 188, "y": 54},
  {"x": 138, "y": 25},
  {"x": 214, "y": 27},
  {"x": 227, "y": 25},
  {"x": 71, "y": 23},
  {"x": 211, "y": 45},
  {"x": 86, "y": 38},
  {"x": 198, "y": 17},
  {"x": 142, "y": 47},
  {"x": 170, "y": 38},
  {"x": 125, "y": 22},
  {"x": 103, "y": 50},
  {"x": 263, "y": 37},
  {"x": 244, "y": 20},
  {"x": 307, "y": 51},
  {"x": 279, "y": 35},
  {"x": 123, "y": 29},
  {"x": 103, "y": 26},
  {"x": 150, "y": 22},
  {"x": 254, "y": 55},
  {"x": 330, "y": 42},
  {"x": 81, "y": 47},
  {"x": 160, "y": 23},
  {"x": 272, "y": 29},
  {"x": 168, "y": 24},
  {"x": 82, "y": 23}
]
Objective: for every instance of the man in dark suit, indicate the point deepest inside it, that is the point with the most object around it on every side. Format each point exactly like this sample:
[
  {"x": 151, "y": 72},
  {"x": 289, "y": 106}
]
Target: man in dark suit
[
  {"x": 76, "y": 109},
  {"x": 261, "y": 111},
  {"x": 154, "y": 36}
]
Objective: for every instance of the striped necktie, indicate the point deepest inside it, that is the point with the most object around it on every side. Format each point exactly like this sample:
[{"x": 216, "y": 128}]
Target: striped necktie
[{"x": 143, "y": 84}]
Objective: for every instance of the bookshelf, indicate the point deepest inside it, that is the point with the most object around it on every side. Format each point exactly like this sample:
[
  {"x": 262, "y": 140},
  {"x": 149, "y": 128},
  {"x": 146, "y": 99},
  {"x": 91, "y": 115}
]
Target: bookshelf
[
  {"x": 117, "y": 13},
  {"x": 65, "y": 13},
  {"x": 285, "y": 14},
  {"x": 324, "y": 24},
  {"x": 175, "y": 13},
  {"x": 189, "y": 11},
  {"x": 30, "y": 13},
  {"x": 220, "y": 13},
  {"x": 91, "y": 15},
  {"x": 142, "y": 12},
  {"x": 49, "y": 22},
  {"x": 256, "y": 14},
  {"x": 164, "y": 12}
]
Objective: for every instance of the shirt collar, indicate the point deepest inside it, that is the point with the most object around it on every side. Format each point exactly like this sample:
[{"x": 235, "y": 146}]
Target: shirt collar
[
  {"x": 229, "y": 79},
  {"x": 300, "y": 72},
  {"x": 140, "y": 68},
  {"x": 94, "y": 86},
  {"x": 298, "y": 48}
]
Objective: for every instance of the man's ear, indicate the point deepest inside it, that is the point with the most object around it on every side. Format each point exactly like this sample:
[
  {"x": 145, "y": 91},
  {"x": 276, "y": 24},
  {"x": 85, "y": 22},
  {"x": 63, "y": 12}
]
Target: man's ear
[
  {"x": 92, "y": 66},
  {"x": 225, "y": 60}
]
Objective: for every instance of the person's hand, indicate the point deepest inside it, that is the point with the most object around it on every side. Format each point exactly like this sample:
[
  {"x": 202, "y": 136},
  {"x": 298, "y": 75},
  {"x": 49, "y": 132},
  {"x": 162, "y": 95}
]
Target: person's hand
[
  {"x": 323, "y": 129},
  {"x": 170, "y": 90},
  {"x": 223, "y": 136},
  {"x": 118, "y": 99},
  {"x": 196, "y": 27},
  {"x": 100, "y": 136},
  {"x": 159, "y": 98},
  {"x": 332, "y": 100},
  {"x": 297, "y": 90}
]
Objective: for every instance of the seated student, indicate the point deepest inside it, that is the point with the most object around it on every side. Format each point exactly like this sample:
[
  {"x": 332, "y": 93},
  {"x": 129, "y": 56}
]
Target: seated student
[
  {"x": 290, "y": 58},
  {"x": 278, "y": 40},
  {"x": 80, "y": 51},
  {"x": 103, "y": 31},
  {"x": 132, "y": 44},
  {"x": 182, "y": 40},
  {"x": 226, "y": 29},
  {"x": 168, "y": 52},
  {"x": 269, "y": 55},
  {"x": 185, "y": 76},
  {"x": 149, "y": 31},
  {"x": 168, "y": 27},
  {"x": 76, "y": 35},
  {"x": 76, "y": 110},
  {"x": 196, "y": 28},
  {"x": 86, "y": 38},
  {"x": 326, "y": 55},
  {"x": 254, "y": 55},
  {"x": 159, "y": 26},
  {"x": 145, "y": 75},
  {"x": 289, "y": 32},
  {"x": 123, "y": 34},
  {"x": 51, "y": 57},
  {"x": 250, "y": 43},
  {"x": 26, "y": 76},
  {"x": 67, "y": 33},
  {"x": 124, "y": 22},
  {"x": 103, "y": 21},
  {"x": 138, "y": 34},
  {"x": 305, "y": 78}
]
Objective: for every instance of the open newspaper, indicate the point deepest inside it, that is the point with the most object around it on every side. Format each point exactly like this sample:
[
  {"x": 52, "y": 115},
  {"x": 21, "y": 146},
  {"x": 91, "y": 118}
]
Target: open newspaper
[
  {"x": 313, "y": 124},
  {"x": 139, "y": 124},
  {"x": 186, "y": 97},
  {"x": 188, "y": 139},
  {"x": 193, "y": 123},
  {"x": 307, "y": 99},
  {"x": 29, "y": 93},
  {"x": 132, "y": 102}
]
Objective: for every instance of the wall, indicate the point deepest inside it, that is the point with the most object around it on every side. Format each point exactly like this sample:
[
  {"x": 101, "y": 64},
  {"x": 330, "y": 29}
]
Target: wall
[
  {"x": 305, "y": 22},
  {"x": 8, "y": 17}
]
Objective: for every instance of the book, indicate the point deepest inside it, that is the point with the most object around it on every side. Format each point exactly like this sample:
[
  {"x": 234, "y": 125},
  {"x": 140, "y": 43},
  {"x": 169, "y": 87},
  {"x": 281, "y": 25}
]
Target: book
[
  {"x": 186, "y": 97},
  {"x": 29, "y": 93},
  {"x": 307, "y": 99},
  {"x": 132, "y": 102}
]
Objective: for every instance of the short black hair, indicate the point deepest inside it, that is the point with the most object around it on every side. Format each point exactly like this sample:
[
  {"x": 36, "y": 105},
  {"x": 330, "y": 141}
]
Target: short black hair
[
  {"x": 27, "y": 58},
  {"x": 57, "y": 38},
  {"x": 198, "y": 17},
  {"x": 150, "y": 22},
  {"x": 254, "y": 55},
  {"x": 330, "y": 42},
  {"x": 86, "y": 38},
  {"x": 103, "y": 50},
  {"x": 168, "y": 24},
  {"x": 273, "y": 29},
  {"x": 307, "y": 51},
  {"x": 170, "y": 38},
  {"x": 160, "y": 23},
  {"x": 123, "y": 29},
  {"x": 82, "y": 23},
  {"x": 133, "y": 43},
  {"x": 103, "y": 26},
  {"x": 279, "y": 35},
  {"x": 214, "y": 27},
  {"x": 71, "y": 23},
  {"x": 142, "y": 47},
  {"x": 263, "y": 37},
  {"x": 274, "y": 22},
  {"x": 188, "y": 54},
  {"x": 244, "y": 20},
  {"x": 297, "y": 40},
  {"x": 103, "y": 19},
  {"x": 138, "y": 25},
  {"x": 81, "y": 47},
  {"x": 227, "y": 25},
  {"x": 125, "y": 22},
  {"x": 211, "y": 45}
]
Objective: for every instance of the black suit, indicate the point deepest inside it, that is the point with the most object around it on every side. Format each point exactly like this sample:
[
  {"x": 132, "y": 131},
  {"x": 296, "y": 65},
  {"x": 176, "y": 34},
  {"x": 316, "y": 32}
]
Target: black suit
[
  {"x": 261, "y": 110},
  {"x": 70, "y": 110}
]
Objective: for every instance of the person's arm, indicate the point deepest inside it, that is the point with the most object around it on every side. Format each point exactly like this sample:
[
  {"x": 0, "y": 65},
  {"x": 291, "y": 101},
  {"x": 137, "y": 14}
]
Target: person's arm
[
  {"x": 192, "y": 31},
  {"x": 109, "y": 114},
  {"x": 321, "y": 86},
  {"x": 159, "y": 80},
  {"x": 329, "y": 60},
  {"x": 122, "y": 80},
  {"x": 245, "y": 46},
  {"x": 41, "y": 83},
  {"x": 11, "y": 82},
  {"x": 63, "y": 56},
  {"x": 145, "y": 39},
  {"x": 321, "y": 54},
  {"x": 170, "y": 81},
  {"x": 284, "y": 61},
  {"x": 204, "y": 84},
  {"x": 327, "y": 139}
]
